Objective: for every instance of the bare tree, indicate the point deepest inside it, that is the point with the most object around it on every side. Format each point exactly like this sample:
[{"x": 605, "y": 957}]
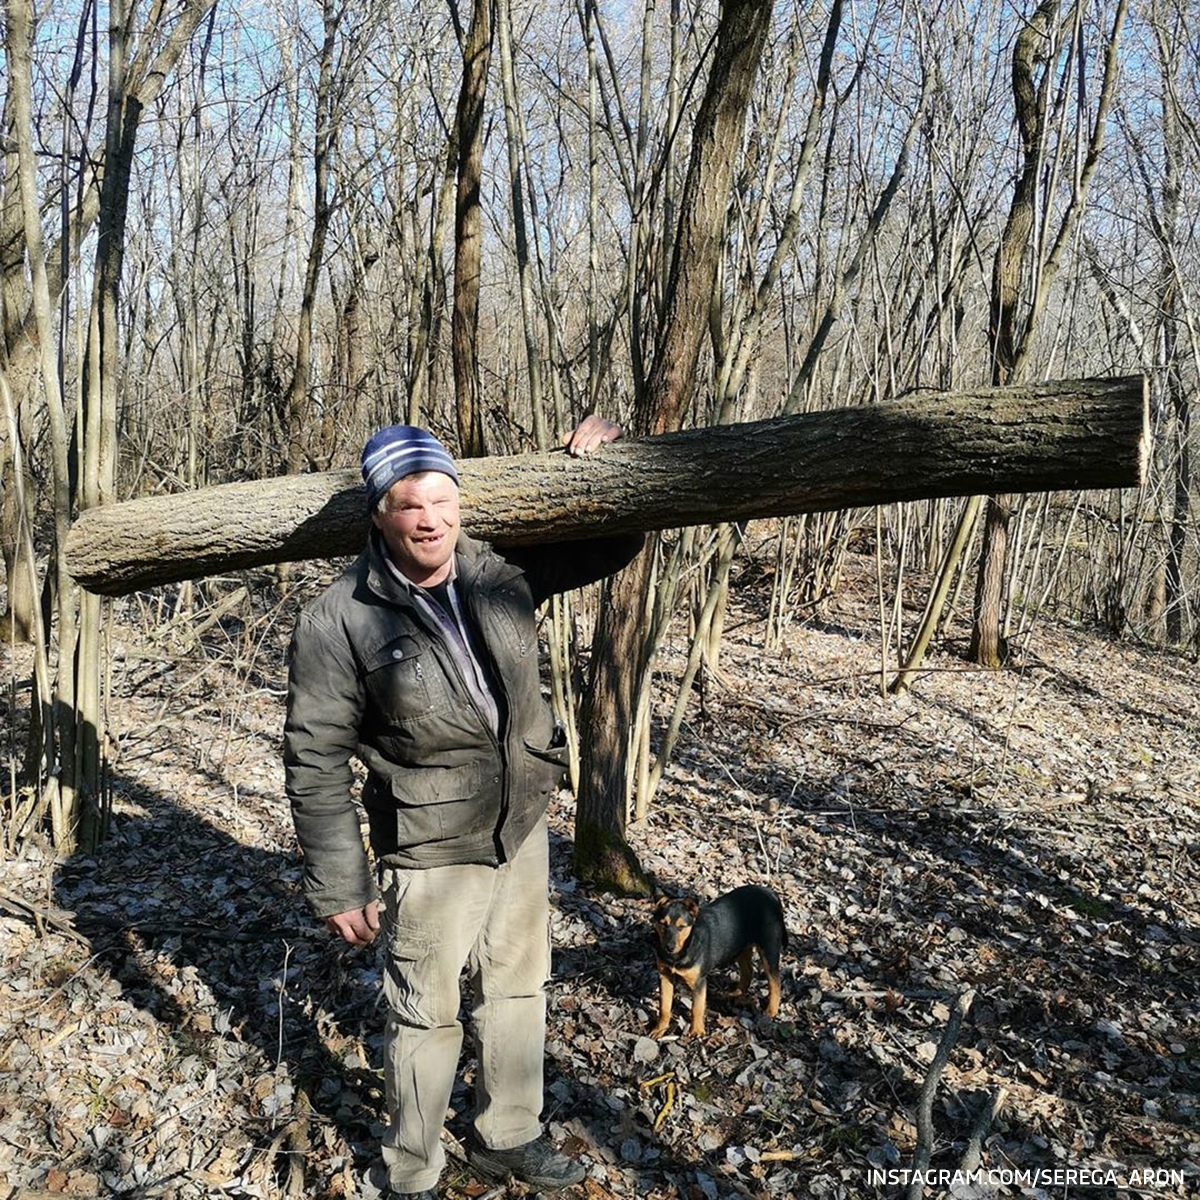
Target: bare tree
[
  {"x": 69, "y": 768},
  {"x": 1034, "y": 56},
  {"x": 299, "y": 413},
  {"x": 469, "y": 130},
  {"x": 1178, "y": 323},
  {"x": 618, "y": 657}
]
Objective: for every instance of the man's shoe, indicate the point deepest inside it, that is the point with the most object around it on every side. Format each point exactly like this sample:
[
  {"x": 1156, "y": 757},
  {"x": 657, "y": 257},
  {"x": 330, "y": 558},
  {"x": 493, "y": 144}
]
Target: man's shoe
[
  {"x": 536, "y": 1163},
  {"x": 373, "y": 1185}
]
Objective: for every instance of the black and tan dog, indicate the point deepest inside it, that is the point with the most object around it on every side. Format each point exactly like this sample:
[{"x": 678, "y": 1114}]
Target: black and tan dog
[{"x": 694, "y": 940}]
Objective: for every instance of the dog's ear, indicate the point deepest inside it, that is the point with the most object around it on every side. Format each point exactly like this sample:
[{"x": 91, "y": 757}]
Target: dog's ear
[
  {"x": 692, "y": 905},
  {"x": 660, "y": 905}
]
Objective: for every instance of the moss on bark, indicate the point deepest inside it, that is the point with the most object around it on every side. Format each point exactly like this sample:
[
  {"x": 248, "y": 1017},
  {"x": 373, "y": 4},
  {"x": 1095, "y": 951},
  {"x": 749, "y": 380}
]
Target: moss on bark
[{"x": 605, "y": 860}]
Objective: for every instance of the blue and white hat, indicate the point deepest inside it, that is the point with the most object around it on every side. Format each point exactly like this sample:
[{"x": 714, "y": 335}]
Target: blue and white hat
[{"x": 399, "y": 450}]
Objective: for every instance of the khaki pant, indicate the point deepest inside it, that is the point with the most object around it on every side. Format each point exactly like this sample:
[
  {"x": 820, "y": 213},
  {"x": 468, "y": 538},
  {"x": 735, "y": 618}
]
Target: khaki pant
[{"x": 495, "y": 922}]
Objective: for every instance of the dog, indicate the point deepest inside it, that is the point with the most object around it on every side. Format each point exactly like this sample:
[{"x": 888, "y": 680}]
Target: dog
[{"x": 693, "y": 940}]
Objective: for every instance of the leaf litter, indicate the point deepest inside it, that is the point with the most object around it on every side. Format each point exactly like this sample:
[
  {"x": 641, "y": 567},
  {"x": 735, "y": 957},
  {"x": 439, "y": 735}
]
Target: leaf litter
[{"x": 172, "y": 1023}]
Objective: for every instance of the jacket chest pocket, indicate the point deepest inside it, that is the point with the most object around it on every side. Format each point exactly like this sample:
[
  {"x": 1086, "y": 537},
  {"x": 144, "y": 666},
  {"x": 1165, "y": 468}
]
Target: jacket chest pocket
[
  {"x": 403, "y": 682},
  {"x": 513, "y": 617}
]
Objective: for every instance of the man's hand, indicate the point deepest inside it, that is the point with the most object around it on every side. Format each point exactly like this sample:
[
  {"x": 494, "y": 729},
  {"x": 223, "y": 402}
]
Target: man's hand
[
  {"x": 590, "y": 434},
  {"x": 358, "y": 926}
]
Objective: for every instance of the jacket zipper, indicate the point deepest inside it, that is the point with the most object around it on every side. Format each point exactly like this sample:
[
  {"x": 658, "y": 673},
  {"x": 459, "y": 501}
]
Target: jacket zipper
[
  {"x": 501, "y": 737},
  {"x": 450, "y": 665}
]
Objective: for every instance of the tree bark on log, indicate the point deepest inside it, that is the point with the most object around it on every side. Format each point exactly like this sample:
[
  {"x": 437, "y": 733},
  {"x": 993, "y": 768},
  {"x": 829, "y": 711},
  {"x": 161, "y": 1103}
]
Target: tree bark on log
[{"x": 1056, "y": 436}]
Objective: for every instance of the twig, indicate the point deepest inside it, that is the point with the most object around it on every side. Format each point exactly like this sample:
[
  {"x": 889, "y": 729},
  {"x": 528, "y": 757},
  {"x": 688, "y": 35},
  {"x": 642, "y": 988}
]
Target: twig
[
  {"x": 197, "y": 1174},
  {"x": 109, "y": 927},
  {"x": 884, "y": 993},
  {"x": 280, "y": 1146},
  {"x": 925, "y": 1134},
  {"x": 298, "y": 1146},
  {"x": 973, "y": 1154},
  {"x": 283, "y": 982},
  {"x": 57, "y": 920},
  {"x": 668, "y": 1104}
]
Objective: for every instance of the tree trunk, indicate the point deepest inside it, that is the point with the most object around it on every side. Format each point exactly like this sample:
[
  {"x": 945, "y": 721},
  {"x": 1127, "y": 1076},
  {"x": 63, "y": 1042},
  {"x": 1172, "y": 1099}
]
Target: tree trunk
[
  {"x": 608, "y": 718},
  {"x": 1174, "y": 319},
  {"x": 1029, "y": 95},
  {"x": 988, "y": 647},
  {"x": 1034, "y": 438},
  {"x": 20, "y": 569},
  {"x": 1011, "y": 344},
  {"x": 515, "y": 142},
  {"x": 620, "y": 655},
  {"x": 421, "y": 393},
  {"x": 57, "y": 769},
  {"x": 19, "y": 572},
  {"x": 468, "y": 231},
  {"x": 299, "y": 409}
]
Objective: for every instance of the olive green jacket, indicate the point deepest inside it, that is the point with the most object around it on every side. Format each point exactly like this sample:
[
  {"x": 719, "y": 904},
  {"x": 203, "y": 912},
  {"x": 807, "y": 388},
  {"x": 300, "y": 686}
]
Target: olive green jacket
[{"x": 371, "y": 677}]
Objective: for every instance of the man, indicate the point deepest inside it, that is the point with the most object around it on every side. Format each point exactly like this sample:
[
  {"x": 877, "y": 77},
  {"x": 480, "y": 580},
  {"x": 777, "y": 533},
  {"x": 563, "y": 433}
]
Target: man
[{"x": 421, "y": 660}]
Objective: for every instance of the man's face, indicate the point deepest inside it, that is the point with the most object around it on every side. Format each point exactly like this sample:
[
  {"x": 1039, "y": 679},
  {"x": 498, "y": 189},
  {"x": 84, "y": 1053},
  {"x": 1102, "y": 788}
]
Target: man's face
[{"x": 420, "y": 523}]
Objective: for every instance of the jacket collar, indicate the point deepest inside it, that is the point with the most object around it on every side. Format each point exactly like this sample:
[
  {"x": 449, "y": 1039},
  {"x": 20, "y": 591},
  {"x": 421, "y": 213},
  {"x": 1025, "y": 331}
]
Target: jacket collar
[{"x": 471, "y": 558}]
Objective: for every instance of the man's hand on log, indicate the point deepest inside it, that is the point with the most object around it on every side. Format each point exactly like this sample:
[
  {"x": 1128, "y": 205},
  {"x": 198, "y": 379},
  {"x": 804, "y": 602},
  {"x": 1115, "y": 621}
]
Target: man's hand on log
[
  {"x": 358, "y": 926},
  {"x": 590, "y": 434}
]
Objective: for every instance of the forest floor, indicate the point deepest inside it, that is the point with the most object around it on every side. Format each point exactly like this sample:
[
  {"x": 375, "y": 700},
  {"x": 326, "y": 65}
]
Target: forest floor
[{"x": 172, "y": 1023}]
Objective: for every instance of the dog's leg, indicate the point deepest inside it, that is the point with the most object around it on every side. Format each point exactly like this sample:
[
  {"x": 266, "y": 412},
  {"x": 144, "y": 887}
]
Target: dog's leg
[
  {"x": 745, "y": 962},
  {"x": 774, "y": 987},
  {"x": 699, "y": 1007},
  {"x": 666, "y": 997}
]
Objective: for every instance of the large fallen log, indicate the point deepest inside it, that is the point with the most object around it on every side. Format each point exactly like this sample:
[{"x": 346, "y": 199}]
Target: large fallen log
[{"x": 1041, "y": 437}]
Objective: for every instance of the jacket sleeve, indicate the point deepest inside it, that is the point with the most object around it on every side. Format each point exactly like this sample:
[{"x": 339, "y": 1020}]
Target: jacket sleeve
[
  {"x": 324, "y": 712},
  {"x": 563, "y": 566}
]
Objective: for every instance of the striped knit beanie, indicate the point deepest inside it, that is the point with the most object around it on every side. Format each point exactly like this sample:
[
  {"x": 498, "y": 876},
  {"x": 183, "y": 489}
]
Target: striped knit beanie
[{"x": 399, "y": 450}]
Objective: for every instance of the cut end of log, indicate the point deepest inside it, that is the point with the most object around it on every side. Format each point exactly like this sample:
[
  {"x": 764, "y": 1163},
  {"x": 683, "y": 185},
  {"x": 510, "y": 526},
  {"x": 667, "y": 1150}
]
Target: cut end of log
[{"x": 1146, "y": 443}]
